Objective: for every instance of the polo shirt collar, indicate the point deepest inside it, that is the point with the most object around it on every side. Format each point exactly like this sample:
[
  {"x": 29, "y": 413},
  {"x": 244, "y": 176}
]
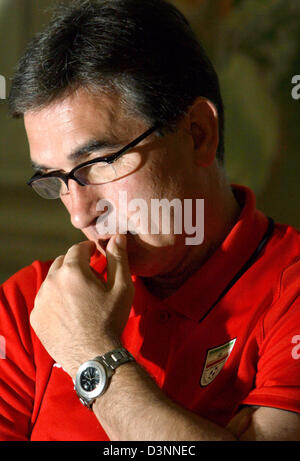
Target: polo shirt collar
[{"x": 195, "y": 297}]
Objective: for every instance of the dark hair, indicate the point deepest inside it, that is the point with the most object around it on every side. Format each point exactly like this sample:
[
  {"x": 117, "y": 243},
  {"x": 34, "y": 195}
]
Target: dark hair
[{"x": 144, "y": 49}]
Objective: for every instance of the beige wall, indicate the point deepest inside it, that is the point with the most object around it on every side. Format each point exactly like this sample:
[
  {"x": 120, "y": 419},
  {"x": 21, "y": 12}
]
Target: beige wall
[{"x": 29, "y": 228}]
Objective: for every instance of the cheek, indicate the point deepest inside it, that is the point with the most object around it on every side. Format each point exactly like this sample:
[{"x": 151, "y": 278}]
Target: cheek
[
  {"x": 66, "y": 201},
  {"x": 152, "y": 181},
  {"x": 139, "y": 192},
  {"x": 155, "y": 242}
]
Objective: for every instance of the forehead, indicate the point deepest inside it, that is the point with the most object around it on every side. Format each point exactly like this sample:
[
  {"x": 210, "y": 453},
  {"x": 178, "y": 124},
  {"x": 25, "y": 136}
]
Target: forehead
[
  {"x": 79, "y": 110},
  {"x": 63, "y": 126}
]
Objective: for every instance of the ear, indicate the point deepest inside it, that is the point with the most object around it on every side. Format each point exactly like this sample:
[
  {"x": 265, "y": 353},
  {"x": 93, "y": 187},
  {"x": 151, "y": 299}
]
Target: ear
[{"x": 204, "y": 129}]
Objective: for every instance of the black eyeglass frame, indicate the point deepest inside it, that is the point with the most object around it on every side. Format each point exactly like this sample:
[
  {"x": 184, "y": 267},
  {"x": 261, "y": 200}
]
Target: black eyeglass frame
[{"x": 65, "y": 177}]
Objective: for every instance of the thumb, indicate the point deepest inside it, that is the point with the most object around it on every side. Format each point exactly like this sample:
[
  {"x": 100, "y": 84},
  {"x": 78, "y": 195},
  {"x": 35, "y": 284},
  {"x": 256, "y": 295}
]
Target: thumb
[{"x": 118, "y": 272}]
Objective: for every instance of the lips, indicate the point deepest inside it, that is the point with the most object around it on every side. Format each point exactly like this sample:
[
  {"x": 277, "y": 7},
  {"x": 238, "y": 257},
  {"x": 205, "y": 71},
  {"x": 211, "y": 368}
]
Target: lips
[{"x": 103, "y": 242}]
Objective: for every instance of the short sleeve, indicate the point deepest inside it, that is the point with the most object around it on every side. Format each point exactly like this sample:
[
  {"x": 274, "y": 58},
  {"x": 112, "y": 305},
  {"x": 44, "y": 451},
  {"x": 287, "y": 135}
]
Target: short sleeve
[
  {"x": 277, "y": 382},
  {"x": 17, "y": 368}
]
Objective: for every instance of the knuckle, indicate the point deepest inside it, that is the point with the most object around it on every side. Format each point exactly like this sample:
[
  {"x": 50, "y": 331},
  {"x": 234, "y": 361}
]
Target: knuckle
[
  {"x": 49, "y": 279},
  {"x": 70, "y": 253},
  {"x": 70, "y": 267},
  {"x": 73, "y": 247},
  {"x": 70, "y": 273}
]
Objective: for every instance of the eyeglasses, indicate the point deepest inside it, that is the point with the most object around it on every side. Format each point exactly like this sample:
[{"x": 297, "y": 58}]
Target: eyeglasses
[{"x": 97, "y": 171}]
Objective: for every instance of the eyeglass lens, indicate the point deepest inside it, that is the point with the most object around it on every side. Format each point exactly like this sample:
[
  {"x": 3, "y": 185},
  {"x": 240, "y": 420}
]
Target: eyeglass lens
[{"x": 95, "y": 174}]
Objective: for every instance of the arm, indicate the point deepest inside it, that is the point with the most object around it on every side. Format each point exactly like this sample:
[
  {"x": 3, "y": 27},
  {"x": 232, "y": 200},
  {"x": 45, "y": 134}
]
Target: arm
[
  {"x": 17, "y": 371},
  {"x": 133, "y": 407},
  {"x": 266, "y": 424}
]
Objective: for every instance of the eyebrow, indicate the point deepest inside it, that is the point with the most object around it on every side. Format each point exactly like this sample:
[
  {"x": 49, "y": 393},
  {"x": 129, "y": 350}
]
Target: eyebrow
[
  {"x": 92, "y": 146},
  {"x": 83, "y": 151}
]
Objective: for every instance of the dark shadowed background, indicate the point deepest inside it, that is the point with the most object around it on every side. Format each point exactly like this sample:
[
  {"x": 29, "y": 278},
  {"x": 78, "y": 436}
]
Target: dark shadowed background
[{"x": 255, "y": 47}]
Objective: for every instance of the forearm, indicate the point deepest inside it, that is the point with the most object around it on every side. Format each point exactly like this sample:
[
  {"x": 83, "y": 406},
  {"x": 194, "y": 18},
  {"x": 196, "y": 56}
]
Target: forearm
[{"x": 134, "y": 408}]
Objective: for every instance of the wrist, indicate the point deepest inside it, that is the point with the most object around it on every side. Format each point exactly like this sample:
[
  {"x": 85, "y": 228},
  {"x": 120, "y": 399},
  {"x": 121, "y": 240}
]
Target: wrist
[
  {"x": 93, "y": 376},
  {"x": 91, "y": 352}
]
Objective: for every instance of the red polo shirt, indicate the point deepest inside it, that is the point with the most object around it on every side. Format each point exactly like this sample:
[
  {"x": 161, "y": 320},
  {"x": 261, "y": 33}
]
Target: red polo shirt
[{"x": 244, "y": 350}]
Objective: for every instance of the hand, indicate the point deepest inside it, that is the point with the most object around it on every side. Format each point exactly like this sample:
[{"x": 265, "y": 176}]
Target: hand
[{"x": 77, "y": 316}]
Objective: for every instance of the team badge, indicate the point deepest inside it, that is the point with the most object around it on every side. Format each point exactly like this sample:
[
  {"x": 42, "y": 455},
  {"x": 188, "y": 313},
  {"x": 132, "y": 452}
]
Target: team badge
[{"x": 215, "y": 360}]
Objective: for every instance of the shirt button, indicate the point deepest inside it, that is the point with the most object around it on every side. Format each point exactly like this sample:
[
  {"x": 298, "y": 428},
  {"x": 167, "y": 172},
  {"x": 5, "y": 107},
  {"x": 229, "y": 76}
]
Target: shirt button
[{"x": 164, "y": 316}]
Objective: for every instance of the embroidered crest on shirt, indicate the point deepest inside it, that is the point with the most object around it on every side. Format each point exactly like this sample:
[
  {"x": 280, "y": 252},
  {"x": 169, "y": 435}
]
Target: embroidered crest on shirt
[{"x": 215, "y": 360}]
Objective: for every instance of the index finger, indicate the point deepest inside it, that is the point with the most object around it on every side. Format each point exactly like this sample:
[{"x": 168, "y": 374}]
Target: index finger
[
  {"x": 57, "y": 263},
  {"x": 80, "y": 254}
]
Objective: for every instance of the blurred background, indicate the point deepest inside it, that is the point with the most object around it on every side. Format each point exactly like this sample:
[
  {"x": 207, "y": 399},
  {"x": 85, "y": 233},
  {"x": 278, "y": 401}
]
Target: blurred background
[{"x": 255, "y": 47}]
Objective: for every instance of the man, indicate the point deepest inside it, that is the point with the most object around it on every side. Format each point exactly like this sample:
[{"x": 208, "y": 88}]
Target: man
[{"x": 163, "y": 340}]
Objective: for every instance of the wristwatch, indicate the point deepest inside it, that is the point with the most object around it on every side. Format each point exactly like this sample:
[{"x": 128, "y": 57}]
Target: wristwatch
[{"x": 93, "y": 377}]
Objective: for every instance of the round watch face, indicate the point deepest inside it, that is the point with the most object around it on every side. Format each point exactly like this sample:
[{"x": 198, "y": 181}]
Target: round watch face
[{"x": 89, "y": 379}]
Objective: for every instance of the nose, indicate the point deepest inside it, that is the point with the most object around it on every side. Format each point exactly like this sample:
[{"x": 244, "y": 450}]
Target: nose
[{"x": 81, "y": 204}]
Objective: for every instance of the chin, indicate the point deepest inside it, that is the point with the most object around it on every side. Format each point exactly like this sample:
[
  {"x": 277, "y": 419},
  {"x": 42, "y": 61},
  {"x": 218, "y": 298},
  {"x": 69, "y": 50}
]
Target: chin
[
  {"x": 146, "y": 260},
  {"x": 143, "y": 268}
]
